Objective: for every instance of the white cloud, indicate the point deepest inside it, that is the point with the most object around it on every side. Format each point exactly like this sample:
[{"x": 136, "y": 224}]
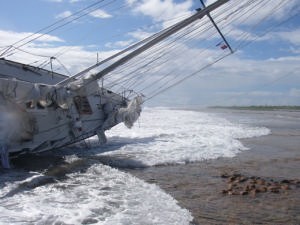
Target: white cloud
[
  {"x": 140, "y": 35},
  {"x": 294, "y": 50},
  {"x": 63, "y": 15},
  {"x": 55, "y": 0},
  {"x": 292, "y": 36},
  {"x": 161, "y": 10},
  {"x": 10, "y": 37},
  {"x": 118, "y": 44},
  {"x": 100, "y": 14},
  {"x": 131, "y": 2},
  {"x": 75, "y": 58}
]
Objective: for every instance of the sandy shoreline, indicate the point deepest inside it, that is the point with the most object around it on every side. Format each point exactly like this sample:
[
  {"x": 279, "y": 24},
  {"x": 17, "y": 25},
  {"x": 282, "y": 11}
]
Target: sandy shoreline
[{"x": 198, "y": 186}]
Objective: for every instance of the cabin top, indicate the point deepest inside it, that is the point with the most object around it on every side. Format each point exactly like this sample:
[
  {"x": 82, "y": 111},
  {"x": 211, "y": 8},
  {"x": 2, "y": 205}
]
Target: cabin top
[{"x": 11, "y": 69}]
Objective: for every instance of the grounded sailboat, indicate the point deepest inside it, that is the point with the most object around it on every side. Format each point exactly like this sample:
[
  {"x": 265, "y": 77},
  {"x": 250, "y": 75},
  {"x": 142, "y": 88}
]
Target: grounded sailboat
[{"x": 42, "y": 110}]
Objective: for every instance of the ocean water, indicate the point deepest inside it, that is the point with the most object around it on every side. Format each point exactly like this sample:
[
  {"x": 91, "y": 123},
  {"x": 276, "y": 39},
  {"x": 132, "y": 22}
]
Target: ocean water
[{"x": 88, "y": 186}]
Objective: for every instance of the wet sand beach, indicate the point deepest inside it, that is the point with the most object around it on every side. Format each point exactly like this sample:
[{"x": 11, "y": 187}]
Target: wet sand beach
[{"x": 273, "y": 158}]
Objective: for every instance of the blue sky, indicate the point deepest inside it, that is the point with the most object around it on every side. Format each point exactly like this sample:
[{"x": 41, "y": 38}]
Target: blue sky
[{"x": 263, "y": 72}]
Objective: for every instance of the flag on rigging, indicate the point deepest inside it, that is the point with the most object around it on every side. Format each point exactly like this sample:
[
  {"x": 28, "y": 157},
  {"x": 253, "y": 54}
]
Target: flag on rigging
[{"x": 222, "y": 45}]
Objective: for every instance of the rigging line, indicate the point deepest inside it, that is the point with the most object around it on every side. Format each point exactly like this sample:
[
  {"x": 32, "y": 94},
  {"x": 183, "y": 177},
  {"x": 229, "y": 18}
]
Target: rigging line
[
  {"x": 143, "y": 73},
  {"x": 174, "y": 55},
  {"x": 21, "y": 50},
  {"x": 153, "y": 42},
  {"x": 192, "y": 31},
  {"x": 132, "y": 47},
  {"x": 240, "y": 45},
  {"x": 194, "y": 61},
  {"x": 63, "y": 51},
  {"x": 139, "y": 82},
  {"x": 41, "y": 64},
  {"x": 224, "y": 20},
  {"x": 131, "y": 84},
  {"x": 170, "y": 45},
  {"x": 177, "y": 52},
  {"x": 245, "y": 34},
  {"x": 117, "y": 35},
  {"x": 236, "y": 18},
  {"x": 260, "y": 5},
  {"x": 156, "y": 81},
  {"x": 65, "y": 68},
  {"x": 126, "y": 81},
  {"x": 170, "y": 78},
  {"x": 154, "y": 53},
  {"x": 147, "y": 63},
  {"x": 186, "y": 77},
  {"x": 267, "y": 31},
  {"x": 68, "y": 48},
  {"x": 174, "y": 77},
  {"x": 118, "y": 72},
  {"x": 235, "y": 15},
  {"x": 171, "y": 86},
  {"x": 147, "y": 52},
  {"x": 53, "y": 24},
  {"x": 58, "y": 27}
]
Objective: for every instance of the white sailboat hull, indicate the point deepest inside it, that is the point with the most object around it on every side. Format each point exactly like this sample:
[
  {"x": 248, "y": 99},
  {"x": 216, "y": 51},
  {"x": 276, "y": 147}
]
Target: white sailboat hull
[{"x": 38, "y": 117}]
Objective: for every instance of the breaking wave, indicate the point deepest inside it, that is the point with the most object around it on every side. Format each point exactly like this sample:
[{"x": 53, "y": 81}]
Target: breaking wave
[
  {"x": 165, "y": 136},
  {"x": 100, "y": 195}
]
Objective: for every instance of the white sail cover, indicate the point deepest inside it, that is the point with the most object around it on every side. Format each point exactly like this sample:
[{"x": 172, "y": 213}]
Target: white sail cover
[
  {"x": 128, "y": 114},
  {"x": 131, "y": 113}
]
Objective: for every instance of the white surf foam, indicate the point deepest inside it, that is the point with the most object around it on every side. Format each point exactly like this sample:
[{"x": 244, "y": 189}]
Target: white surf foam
[
  {"x": 100, "y": 195},
  {"x": 165, "y": 136}
]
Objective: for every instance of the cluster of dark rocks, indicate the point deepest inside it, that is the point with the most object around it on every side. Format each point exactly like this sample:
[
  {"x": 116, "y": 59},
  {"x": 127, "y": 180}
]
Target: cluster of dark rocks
[{"x": 239, "y": 184}]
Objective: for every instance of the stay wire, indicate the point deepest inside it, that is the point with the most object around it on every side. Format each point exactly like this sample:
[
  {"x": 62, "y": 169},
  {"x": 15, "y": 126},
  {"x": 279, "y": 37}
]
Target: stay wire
[
  {"x": 192, "y": 73},
  {"x": 55, "y": 28},
  {"x": 170, "y": 46},
  {"x": 154, "y": 52}
]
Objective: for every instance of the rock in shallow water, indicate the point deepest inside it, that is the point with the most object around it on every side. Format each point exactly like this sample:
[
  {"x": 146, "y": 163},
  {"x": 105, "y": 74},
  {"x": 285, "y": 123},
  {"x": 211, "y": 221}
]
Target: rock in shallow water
[{"x": 244, "y": 185}]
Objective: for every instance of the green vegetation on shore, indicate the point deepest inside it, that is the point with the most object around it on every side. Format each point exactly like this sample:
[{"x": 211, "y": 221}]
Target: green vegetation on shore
[{"x": 259, "y": 107}]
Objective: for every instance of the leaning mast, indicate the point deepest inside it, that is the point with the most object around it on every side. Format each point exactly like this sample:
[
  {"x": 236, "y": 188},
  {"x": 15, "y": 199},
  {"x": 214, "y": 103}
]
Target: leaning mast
[{"x": 157, "y": 38}]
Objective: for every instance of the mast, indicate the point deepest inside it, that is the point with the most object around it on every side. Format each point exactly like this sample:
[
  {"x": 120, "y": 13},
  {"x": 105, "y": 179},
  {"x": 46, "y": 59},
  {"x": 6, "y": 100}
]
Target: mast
[{"x": 160, "y": 37}]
